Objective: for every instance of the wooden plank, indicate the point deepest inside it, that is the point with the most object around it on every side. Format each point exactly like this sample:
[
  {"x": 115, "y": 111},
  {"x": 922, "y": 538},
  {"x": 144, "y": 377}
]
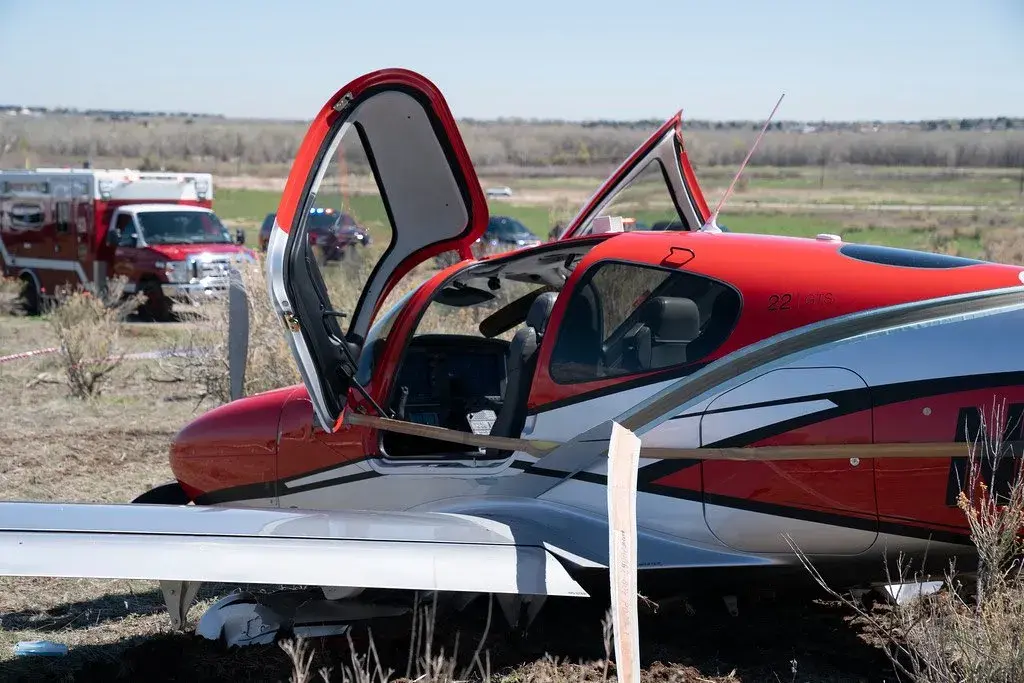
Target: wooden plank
[
  {"x": 878, "y": 451},
  {"x": 866, "y": 451},
  {"x": 623, "y": 461},
  {"x": 535, "y": 448}
]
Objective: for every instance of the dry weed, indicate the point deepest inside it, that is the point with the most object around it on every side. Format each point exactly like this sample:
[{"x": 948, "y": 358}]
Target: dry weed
[
  {"x": 200, "y": 356},
  {"x": 973, "y": 632},
  {"x": 87, "y": 324},
  {"x": 425, "y": 662},
  {"x": 10, "y": 296},
  {"x": 1004, "y": 245}
]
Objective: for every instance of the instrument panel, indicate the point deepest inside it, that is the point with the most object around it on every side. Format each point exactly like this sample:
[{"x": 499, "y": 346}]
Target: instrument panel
[{"x": 449, "y": 375}]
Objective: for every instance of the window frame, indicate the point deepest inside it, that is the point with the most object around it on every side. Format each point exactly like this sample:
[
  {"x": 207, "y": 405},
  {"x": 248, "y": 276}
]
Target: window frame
[
  {"x": 586, "y": 278},
  {"x": 637, "y": 172}
]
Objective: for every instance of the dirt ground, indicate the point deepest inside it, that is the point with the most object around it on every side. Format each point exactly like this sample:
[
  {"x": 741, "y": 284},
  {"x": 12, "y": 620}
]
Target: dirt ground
[{"x": 54, "y": 447}]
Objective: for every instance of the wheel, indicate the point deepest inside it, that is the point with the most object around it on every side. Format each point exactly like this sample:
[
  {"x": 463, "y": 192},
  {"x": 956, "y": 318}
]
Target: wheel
[
  {"x": 29, "y": 295},
  {"x": 158, "y": 307},
  {"x": 167, "y": 494}
]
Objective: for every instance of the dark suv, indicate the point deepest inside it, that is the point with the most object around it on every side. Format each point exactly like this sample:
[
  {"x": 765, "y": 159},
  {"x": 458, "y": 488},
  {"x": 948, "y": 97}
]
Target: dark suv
[
  {"x": 331, "y": 231},
  {"x": 503, "y": 234}
]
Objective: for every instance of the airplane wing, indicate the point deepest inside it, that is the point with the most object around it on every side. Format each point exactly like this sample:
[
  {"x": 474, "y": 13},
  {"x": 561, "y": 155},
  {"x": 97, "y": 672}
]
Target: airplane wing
[{"x": 412, "y": 550}]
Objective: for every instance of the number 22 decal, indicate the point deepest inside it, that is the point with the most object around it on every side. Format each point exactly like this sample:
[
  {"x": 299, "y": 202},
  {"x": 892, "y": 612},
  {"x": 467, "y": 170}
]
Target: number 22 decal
[{"x": 779, "y": 302}]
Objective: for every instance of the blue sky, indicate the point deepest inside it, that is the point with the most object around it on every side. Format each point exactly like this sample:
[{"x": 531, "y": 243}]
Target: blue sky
[{"x": 726, "y": 59}]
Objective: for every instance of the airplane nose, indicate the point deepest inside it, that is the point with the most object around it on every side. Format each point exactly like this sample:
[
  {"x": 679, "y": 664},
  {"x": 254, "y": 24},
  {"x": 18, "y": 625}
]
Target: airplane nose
[{"x": 233, "y": 445}]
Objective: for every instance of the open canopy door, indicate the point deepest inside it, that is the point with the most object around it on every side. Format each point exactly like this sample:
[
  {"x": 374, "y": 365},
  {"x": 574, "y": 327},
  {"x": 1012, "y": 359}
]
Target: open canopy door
[
  {"x": 386, "y": 149},
  {"x": 654, "y": 189}
]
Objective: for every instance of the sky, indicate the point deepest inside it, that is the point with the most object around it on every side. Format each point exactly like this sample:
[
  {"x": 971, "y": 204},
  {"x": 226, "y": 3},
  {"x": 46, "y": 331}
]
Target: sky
[{"x": 631, "y": 59}]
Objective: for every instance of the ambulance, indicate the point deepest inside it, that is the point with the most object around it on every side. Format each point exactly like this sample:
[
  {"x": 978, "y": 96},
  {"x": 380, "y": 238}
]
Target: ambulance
[{"x": 71, "y": 226}]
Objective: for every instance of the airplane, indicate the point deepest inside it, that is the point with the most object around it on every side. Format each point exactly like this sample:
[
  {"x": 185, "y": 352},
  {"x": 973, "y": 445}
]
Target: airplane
[{"x": 762, "y": 373}]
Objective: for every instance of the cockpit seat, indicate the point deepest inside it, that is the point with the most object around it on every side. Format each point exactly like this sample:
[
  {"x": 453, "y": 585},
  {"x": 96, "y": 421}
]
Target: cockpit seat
[
  {"x": 522, "y": 361},
  {"x": 669, "y": 324}
]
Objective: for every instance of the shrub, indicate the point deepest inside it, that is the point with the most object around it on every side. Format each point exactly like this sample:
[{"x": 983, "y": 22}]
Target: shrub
[
  {"x": 88, "y": 328},
  {"x": 200, "y": 357}
]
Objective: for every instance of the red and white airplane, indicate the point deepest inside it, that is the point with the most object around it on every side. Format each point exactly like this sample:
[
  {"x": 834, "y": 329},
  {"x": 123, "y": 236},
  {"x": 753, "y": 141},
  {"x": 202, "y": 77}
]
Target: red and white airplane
[{"x": 762, "y": 374}]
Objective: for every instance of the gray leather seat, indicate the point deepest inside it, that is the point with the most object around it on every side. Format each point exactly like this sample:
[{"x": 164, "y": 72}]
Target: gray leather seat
[
  {"x": 670, "y": 323},
  {"x": 522, "y": 361}
]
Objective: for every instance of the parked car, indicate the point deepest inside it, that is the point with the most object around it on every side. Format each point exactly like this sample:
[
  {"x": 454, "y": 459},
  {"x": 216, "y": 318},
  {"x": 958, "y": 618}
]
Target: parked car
[
  {"x": 503, "y": 234},
  {"x": 332, "y": 231},
  {"x": 351, "y": 233}
]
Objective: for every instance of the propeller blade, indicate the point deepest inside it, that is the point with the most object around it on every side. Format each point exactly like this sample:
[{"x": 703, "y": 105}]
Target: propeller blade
[{"x": 238, "y": 334}]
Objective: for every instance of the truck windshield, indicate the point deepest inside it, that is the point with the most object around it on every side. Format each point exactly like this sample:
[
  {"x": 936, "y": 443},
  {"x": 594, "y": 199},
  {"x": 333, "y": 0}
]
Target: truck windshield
[{"x": 183, "y": 227}]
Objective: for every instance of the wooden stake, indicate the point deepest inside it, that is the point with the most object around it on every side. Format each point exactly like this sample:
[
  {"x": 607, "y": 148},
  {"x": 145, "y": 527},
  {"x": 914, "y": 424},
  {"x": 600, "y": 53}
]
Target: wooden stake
[{"x": 623, "y": 461}]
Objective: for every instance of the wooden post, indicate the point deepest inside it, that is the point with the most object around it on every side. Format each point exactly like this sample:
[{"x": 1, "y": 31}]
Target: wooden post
[
  {"x": 99, "y": 277},
  {"x": 623, "y": 462}
]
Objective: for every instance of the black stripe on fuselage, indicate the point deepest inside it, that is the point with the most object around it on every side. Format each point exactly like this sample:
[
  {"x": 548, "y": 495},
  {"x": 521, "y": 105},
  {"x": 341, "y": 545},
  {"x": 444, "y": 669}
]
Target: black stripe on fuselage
[{"x": 279, "y": 487}]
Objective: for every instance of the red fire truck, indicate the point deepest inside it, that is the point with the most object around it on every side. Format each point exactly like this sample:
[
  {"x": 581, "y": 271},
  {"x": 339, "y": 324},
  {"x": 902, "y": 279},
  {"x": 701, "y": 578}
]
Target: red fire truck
[{"x": 71, "y": 226}]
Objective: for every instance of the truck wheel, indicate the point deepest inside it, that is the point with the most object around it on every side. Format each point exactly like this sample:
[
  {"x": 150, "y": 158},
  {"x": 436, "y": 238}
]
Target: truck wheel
[
  {"x": 157, "y": 306},
  {"x": 167, "y": 494},
  {"x": 29, "y": 295}
]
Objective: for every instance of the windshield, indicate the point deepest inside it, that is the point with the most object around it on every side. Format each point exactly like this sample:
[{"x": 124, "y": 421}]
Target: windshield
[
  {"x": 183, "y": 227},
  {"x": 376, "y": 337}
]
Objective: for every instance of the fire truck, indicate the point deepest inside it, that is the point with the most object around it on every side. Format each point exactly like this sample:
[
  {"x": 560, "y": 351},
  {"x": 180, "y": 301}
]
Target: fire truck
[{"x": 79, "y": 226}]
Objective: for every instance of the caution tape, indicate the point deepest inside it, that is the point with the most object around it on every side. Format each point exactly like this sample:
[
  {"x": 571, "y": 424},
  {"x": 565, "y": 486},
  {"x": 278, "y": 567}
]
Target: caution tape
[
  {"x": 141, "y": 355},
  {"x": 28, "y": 354}
]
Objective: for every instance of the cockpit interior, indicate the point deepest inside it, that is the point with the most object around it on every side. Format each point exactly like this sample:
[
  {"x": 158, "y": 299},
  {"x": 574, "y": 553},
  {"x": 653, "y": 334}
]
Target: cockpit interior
[{"x": 473, "y": 373}]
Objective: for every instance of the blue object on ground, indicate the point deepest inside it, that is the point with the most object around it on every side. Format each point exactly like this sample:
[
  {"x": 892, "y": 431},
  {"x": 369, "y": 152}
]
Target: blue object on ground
[{"x": 40, "y": 648}]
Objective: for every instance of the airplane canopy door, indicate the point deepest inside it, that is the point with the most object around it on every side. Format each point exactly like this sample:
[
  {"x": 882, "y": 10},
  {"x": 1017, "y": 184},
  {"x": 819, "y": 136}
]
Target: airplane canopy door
[
  {"x": 385, "y": 150},
  {"x": 825, "y": 506},
  {"x": 654, "y": 189}
]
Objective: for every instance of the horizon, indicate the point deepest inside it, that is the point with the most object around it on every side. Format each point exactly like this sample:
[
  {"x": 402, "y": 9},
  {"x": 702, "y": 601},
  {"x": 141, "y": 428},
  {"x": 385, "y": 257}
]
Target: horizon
[
  {"x": 67, "y": 110},
  {"x": 872, "y": 61}
]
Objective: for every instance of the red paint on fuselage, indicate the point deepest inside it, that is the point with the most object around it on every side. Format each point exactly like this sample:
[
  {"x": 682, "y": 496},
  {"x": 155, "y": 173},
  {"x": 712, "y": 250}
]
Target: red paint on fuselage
[
  {"x": 917, "y": 489},
  {"x": 833, "y": 485},
  {"x": 820, "y": 282},
  {"x": 232, "y": 445}
]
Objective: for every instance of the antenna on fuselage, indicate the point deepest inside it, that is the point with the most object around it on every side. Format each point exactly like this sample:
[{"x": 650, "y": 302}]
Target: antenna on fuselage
[{"x": 712, "y": 223}]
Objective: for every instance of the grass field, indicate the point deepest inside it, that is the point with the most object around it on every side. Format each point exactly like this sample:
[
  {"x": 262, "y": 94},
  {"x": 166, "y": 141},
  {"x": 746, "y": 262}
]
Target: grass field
[{"x": 113, "y": 447}]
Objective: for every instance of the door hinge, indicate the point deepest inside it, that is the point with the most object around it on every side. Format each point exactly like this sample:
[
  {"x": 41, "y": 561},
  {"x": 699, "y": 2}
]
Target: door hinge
[
  {"x": 290, "y": 321},
  {"x": 343, "y": 102}
]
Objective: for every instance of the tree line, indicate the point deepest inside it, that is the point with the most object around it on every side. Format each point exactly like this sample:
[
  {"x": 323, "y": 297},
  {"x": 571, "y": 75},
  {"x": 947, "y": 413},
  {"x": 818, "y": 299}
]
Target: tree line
[{"x": 252, "y": 145}]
